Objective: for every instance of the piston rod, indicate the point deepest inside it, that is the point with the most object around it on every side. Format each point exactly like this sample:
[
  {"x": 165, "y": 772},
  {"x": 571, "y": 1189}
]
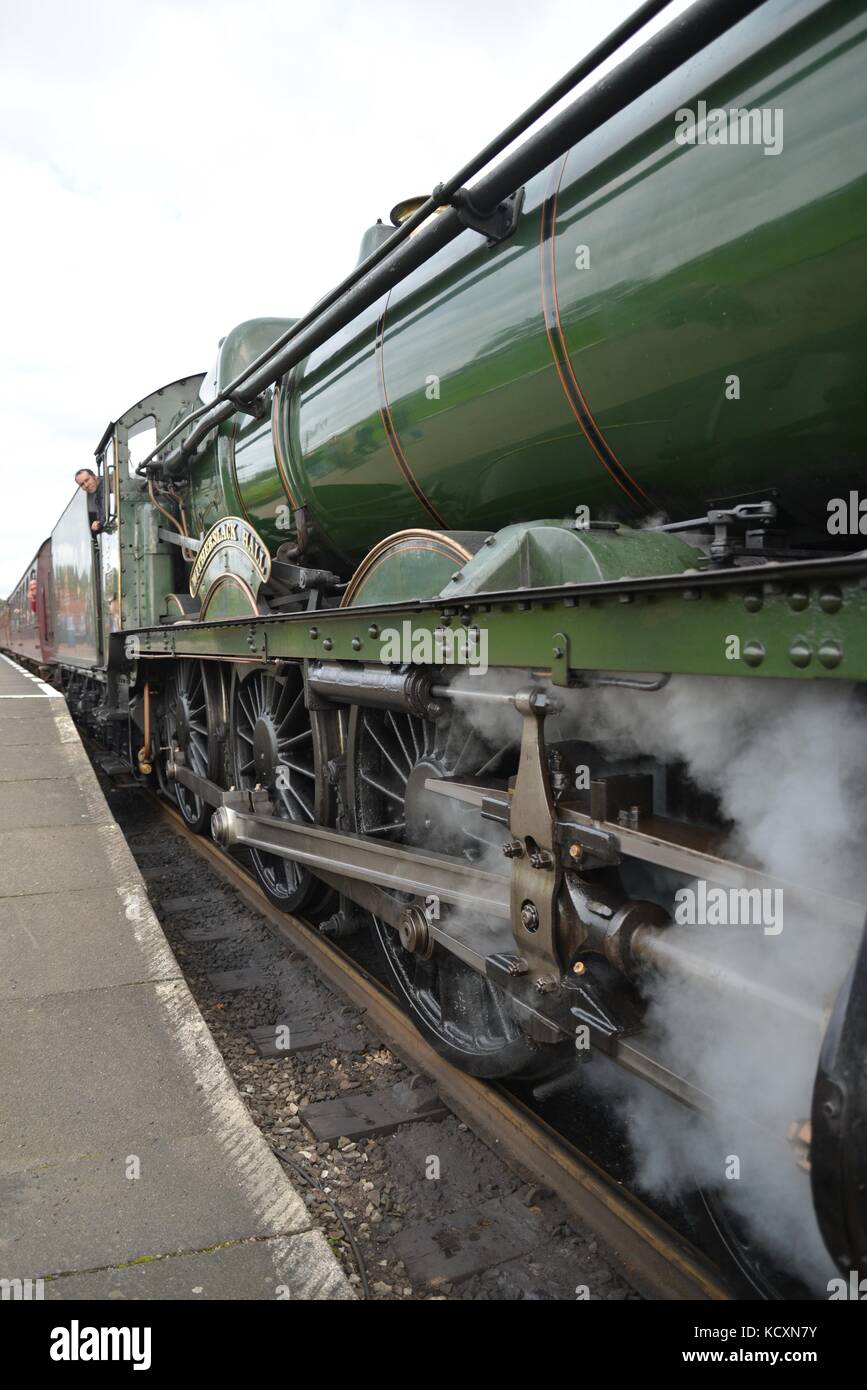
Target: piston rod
[{"x": 422, "y": 873}]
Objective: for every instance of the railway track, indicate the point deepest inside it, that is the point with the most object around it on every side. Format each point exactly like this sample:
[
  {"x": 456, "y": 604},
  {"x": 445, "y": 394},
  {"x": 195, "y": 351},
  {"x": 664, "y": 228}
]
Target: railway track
[{"x": 656, "y": 1260}]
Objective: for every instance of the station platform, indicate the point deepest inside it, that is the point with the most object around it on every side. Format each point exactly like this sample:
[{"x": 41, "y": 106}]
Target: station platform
[{"x": 129, "y": 1166}]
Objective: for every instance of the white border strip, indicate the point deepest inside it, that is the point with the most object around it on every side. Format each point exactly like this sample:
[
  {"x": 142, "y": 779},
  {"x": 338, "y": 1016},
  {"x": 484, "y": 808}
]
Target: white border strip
[{"x": 47, "y": 691}]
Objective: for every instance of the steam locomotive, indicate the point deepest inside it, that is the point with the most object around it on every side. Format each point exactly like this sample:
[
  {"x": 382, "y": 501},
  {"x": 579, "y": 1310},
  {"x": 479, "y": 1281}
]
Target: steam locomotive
[{"x": 492, "y": 606}]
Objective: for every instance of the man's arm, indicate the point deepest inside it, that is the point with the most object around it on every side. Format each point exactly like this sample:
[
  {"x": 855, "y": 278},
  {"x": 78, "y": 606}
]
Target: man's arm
[{"x": 97, "y": 511}]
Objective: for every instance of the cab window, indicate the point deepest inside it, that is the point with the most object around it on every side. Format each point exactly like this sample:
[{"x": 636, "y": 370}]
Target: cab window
[{"x": 142, "y": 441}]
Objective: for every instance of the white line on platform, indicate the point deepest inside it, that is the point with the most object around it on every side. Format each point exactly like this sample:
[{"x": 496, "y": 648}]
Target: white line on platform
[{"x": 47, "y": 690}]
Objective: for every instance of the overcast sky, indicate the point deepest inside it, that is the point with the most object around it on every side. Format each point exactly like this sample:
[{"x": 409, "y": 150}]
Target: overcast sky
[{"x": 170, "y": 169}]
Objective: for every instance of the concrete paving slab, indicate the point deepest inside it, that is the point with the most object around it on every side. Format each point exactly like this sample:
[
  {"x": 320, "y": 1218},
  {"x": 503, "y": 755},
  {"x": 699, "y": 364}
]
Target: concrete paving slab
[
  {"x": 41, "y": 860},
  {"x": 184, "y": 1199},
  {"x": 41, "y": 936},
  {"x": 300, "y": 1266},
  {"x": 35, "y": 804},
  {"x": 15, "y": 680},
  {"x": 107, "y": 1069},
  {"x": 142, "y": 1091},
  {"x": 23, "y": 762},
  {"x": 21, "y": 721}
]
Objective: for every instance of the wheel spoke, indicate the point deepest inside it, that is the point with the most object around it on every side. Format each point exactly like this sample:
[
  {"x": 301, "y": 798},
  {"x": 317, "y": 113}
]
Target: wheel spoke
[
  {"x": 451, "y": 736},
  {"x": 268, "y": 715},
  {"x": 492, "y": 761},
  {"x": 409, "y": 760},
  {"x": 301, "y": 802},
  {"x": 411, "y": 722},
  {"x": 296, "y": 738},
  {"x": 248, "y": 709},
  {"x": 288, "y": 717},
  {"x": 371, "y": 781},
  {"x": 185, "y": 707},
  {"x": 297, "y": 767},
  {"x": 474, "y": 1021},
  {"x": 385, "y": 753},
  {"x": 467, "y": 744},
  {"x": 269, "y": 694}
]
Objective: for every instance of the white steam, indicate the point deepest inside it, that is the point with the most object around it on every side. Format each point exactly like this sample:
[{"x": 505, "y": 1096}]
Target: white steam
[{"x": 788, "y": 764}]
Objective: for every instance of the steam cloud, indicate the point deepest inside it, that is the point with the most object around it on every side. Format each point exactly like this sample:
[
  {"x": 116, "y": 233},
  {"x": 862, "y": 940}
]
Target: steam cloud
[{"x": 788, "y": 764}]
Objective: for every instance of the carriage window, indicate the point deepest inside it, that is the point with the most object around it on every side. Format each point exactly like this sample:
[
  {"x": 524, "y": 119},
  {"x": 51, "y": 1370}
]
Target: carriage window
[{"x": 142, "y": 441}]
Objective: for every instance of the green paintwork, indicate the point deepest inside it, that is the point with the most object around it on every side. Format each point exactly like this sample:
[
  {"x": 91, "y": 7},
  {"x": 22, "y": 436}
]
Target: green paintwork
[
  {"x": 151, "y": 569},
  {"x": 228, "y": 599},
  {"x": 420, "y": 563},
  {"x": 550, "y": 552},
  {"x": 247, "y": 341},
  {"x": 153, "y": 565},
  {"x": 373, "y": 238},
  {"x": 229, "y": 569},
  {"x": 704, "y": 261},
  {"x": 800, "y": 621},
  {"x": 236, "y": 474},
  {"x": 261, "y": 502}
]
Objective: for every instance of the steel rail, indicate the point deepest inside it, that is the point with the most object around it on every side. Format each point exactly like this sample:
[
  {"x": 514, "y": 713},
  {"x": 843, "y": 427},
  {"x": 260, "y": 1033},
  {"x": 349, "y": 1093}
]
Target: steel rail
[{"x": 657, "y": 1261}]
